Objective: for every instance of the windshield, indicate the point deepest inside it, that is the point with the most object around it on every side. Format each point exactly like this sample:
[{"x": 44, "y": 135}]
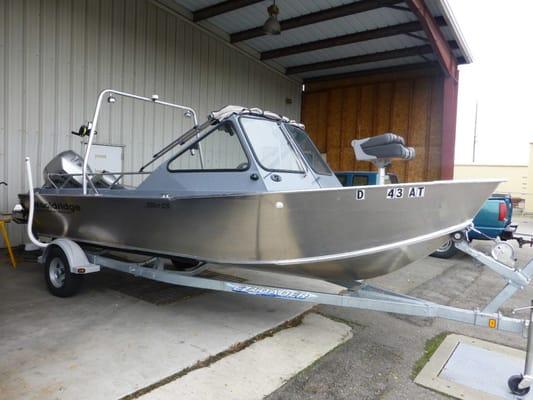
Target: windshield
[
  {"x": 308, "y": 149},
  {"x": 218, "y": 149},
  {"x": 270, "y": 145}
]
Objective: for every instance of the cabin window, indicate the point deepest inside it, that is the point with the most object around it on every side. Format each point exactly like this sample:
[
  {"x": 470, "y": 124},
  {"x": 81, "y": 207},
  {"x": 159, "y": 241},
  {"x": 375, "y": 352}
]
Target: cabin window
[
  {"x": 308, "y": 149},
  {"x": 221, "y": 150},
  {"x": 270, "y": 145}
]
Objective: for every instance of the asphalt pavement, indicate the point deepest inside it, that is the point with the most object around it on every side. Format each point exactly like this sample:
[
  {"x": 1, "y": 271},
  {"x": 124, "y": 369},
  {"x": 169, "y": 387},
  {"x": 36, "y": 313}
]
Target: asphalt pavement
[{"x": 378, "y": 361}]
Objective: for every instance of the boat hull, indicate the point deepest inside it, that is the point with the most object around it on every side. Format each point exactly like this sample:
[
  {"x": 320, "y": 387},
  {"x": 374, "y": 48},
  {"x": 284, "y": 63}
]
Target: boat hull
[{"x": 334, "y": 234}]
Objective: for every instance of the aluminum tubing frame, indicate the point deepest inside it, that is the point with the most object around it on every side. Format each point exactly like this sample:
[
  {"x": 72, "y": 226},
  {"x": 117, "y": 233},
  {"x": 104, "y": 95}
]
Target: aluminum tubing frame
[{"x": 92, "y": 124}]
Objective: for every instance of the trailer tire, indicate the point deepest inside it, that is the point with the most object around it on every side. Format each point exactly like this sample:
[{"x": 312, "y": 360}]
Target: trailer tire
[
  {"x": 447, "y": 250},
  {"x": 59, "y": 280},
  {"x": 513, "y": 383}
]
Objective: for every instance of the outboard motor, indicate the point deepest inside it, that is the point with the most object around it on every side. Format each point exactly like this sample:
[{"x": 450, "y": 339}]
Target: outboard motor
[
  {"x": 66, "y": 162},
  {"x": 70, "y": 162},
  {"x": 379, "y": 150}
]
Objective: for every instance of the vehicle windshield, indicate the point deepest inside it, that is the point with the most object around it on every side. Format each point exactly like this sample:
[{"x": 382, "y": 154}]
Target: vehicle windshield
[
  {"x": 270, "y": 145},
  {"x": 309, "y": 150}
]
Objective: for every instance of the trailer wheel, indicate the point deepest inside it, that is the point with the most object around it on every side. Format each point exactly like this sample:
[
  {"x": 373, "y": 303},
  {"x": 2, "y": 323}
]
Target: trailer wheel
[
  {"x": 59, "y": 280},
  {"x": 447, "y": 250},
  {"x": 513, "y": 383}
]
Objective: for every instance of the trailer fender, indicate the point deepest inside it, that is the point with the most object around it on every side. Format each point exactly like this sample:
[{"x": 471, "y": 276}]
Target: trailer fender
[{"x": 77, "y": 259}]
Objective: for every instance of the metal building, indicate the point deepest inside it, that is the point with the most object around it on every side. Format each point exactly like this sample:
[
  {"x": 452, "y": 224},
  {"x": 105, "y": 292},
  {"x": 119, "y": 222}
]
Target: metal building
[{"x": 368, "y": 66}]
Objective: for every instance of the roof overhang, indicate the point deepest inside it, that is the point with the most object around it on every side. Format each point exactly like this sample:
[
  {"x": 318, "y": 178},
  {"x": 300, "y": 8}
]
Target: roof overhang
[{"x": 336, "y": 37}]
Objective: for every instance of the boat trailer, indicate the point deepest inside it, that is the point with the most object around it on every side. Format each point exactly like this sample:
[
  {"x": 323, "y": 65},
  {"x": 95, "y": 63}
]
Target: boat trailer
[{"x": 361, "y": 296}]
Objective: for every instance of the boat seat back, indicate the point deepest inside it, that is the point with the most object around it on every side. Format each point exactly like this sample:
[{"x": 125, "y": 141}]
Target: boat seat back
[{"x": 382, "y": 147}]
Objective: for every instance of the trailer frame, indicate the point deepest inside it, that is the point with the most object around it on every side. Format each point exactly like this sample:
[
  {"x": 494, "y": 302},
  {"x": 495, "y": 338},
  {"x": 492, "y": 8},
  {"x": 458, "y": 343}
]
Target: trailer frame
[{"x": 361, "y": 296}]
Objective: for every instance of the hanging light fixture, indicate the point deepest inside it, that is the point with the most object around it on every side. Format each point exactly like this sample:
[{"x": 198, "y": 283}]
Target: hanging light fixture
[{"x": 271, "y": 25}]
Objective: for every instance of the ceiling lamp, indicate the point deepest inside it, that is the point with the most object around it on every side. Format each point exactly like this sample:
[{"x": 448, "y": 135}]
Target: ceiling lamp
[{"x": 271, "y": 25}]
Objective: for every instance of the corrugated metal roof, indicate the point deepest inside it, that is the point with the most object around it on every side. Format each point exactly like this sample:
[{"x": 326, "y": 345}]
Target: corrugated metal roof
[
  {"x": 254, "y": 15},
  {"x": 332, "y": 28},
  {"x": 350, "y": 50}
]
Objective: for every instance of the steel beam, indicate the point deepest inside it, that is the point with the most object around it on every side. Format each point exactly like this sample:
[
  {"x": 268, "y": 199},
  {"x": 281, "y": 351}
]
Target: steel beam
[
  {"x": 366, "y": 58},
  {"x": 318, "y": 16},
  {"x": 221, "y": 8},
  {"x": 345, "y": 39},
  {"x": 449, "y": 119},
  {"x": 436, "y": 38},
  {"x": 376, "y": 71}
]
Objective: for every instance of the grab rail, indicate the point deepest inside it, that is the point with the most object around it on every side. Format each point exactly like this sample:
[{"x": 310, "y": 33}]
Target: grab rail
[
  {"x": 190, "y": 112},
  {"x": 118, "y": 175}
]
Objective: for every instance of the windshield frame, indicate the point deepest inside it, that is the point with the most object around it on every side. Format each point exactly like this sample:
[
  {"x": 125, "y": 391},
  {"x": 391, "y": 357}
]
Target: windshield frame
[
  {"x": 201, "y": 137},
  {"x": 301, "y": 162},
  {"x": 287, "y": 126}
]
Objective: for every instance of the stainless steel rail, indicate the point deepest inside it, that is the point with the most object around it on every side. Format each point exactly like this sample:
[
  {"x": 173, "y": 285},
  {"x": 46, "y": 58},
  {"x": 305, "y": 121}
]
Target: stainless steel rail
[{"x": 110, "y": 92}]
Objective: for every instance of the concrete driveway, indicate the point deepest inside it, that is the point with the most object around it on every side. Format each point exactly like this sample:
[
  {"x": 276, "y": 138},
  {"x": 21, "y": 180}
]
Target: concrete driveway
[{"x": 120, "y": 334}]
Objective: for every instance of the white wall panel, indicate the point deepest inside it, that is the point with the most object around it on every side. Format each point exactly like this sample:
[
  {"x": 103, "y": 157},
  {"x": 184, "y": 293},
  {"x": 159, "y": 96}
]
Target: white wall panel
[{"x": 56, "y": 55}]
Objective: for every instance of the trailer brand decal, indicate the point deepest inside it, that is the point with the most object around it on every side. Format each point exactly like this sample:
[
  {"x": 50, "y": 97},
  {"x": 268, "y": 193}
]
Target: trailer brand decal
[
  {"x": 360, "y": 194},
  {"x": 271, "y": 292},
  {"x": 400, "y": 192},
  {"x": 61, "y": 207}
]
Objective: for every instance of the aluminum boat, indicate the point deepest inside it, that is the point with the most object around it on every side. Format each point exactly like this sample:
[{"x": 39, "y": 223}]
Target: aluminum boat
[{"x": 248, "y": 188}]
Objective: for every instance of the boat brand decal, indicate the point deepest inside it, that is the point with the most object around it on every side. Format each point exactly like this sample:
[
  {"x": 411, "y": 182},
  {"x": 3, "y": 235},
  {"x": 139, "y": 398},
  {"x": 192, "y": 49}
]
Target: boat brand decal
[
  {"x": 65, "y": 208},
  {"x": 155, "y": 204},
  {"x": 411, "y": 193},
  {"x": 360, "y": 194},
  {"x": 271, "y": 292}
]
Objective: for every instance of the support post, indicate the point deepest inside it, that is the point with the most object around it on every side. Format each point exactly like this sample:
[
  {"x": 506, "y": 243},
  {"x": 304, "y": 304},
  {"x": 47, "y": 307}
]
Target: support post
[{"x": 449, "y": 119}]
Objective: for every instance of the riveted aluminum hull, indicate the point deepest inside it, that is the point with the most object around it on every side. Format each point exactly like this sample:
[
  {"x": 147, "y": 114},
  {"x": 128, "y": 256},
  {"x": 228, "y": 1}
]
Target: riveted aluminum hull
[{"x": 325, "y": 233}]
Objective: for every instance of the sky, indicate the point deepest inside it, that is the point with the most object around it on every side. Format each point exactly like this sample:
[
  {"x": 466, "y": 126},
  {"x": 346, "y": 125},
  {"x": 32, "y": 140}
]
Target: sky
[{"x": 500, "y": 80}]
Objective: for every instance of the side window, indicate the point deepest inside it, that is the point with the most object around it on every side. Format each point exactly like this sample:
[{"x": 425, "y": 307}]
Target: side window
[
  {"x": 308, "y": 149},
  {"x": 220, "y": 149}
]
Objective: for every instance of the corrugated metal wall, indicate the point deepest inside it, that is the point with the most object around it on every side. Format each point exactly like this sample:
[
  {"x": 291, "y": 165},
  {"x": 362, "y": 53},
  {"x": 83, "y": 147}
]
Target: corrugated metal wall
[{"x": 56, "y": 55}]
